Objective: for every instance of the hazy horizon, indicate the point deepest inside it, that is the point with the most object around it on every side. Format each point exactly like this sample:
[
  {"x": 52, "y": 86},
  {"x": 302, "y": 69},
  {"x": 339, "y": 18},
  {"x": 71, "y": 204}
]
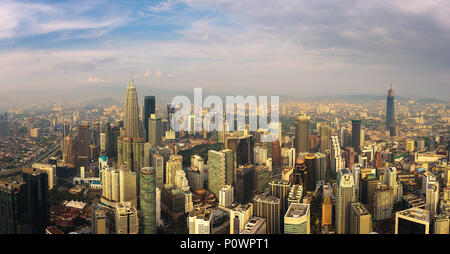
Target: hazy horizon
[{"x": 297, "y": 48}]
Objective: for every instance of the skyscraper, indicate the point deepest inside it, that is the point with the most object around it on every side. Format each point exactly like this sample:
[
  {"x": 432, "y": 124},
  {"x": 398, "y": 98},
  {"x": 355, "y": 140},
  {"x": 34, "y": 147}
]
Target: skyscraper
[
  {"x": 154, "y": 130},
  {"x": 149, "y": 109},
  {"x": 245, "y": 183},
  {"x": 356, "y": 135},
  {"x": 70, "y": 152},
  {"x": 302, "y": 134},
  {"x": 14, "y": 215},
  {"x": 38, "y": 198},
  {"x": 126, "y": 219},
  {"x": 310, "y": 161},
  {"x": 335, "y": 155},
  {"x": 360, "y": 219},
  {"x": 297, "y": 219},
  {"x": 220, "y": 170},
  {"x": 268, "y": 207},
  {"x": 99, "y": 222},
  {"x": 242, "y": 148},
  {"x": 345, "y": 196},
  {"x": 390, "y": 120},
  {"x": 83, "y": 145},
  {"x": 325, "y": 137},
  {"x": 148, "y": 200},
  {"x": 131, "y": 120},
  {"x": 281, "y": 189}
]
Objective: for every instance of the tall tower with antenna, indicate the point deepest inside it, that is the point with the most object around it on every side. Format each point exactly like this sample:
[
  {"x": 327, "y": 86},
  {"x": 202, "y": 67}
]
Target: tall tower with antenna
[{"x": 390, "y": 120}]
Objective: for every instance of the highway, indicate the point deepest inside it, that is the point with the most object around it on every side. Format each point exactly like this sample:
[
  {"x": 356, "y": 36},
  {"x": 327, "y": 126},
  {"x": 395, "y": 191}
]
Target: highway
[{"x": 40, "y": 158}]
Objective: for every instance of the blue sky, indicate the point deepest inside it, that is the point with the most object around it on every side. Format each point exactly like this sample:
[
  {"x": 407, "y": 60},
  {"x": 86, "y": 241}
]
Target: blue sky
[{"x": 321, "y": 47}]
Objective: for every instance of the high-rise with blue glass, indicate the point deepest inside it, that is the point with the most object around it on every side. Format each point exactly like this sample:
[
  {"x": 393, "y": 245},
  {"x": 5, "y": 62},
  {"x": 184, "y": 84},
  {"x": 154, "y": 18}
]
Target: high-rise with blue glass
[{"x": 390, "y": 109}]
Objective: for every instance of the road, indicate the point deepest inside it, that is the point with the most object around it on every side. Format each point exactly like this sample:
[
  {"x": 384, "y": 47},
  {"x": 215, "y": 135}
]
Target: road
[{"x": 39, "y": 158}]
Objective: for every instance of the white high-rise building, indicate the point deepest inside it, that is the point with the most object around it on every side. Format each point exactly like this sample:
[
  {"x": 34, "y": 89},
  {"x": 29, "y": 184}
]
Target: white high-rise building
[
  {"x": 427, "y": 179},
  {"x": 174, "y": 164},
  {"x": 199, "y": 221},
  {"x": 226, "y": 195},
  {"x": 356, "y": 172},
  {"x": 345, "y": 196},
  {"x": 158, "y": 208},
  {"x": 260, "y": 154},
  {"x": 239, "y": 216},
  {"x": 432, "y": 198},
  {"x": 336, "y": 161},
  {"x": 127, "y": 187},
  {"x": 291, "y": 157},
  {"x": 181, "y": 181}
]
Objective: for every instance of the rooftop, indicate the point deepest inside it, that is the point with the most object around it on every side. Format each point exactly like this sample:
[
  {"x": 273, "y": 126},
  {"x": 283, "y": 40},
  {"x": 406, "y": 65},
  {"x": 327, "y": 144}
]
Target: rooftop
[
  {"x": 297, "y": 210},
  {"x": 416, "y": 213}
]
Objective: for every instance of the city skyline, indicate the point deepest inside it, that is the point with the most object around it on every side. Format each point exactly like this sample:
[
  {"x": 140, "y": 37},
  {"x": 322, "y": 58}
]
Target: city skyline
[
  {"x": 217, "y": 117},
  {"x": 321, "y": 48}
]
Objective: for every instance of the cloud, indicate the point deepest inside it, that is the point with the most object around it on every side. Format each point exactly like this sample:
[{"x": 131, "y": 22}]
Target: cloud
[
  {"x": 25, "y": 19},
  {"x": 163, "y": 6},
  {"x": 95, "y": 80},
  {"x": 145, "y": 74}
]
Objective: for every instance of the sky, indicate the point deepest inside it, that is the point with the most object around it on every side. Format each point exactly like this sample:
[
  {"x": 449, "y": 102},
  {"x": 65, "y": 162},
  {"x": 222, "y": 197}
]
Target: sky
[{"x": 279, "y": 47}]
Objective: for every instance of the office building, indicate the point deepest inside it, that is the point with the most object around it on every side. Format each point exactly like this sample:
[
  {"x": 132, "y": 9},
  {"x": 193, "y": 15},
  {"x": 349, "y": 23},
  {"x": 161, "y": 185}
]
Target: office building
[
  {"x": 336, "y": 161},
  {"x": 83, "y": 145},
  {"x": 158, "y": 165},
  {"x": 38, "y": 199},
  {"x": 412, "y": 221},
  {"x": 148, "y": 200},
  {"x": 327, "y": 212},
  {"x": 390, "y": 120},
  {"x": 14, "y": 207},
  {"x": 220, "y": 170},
  {"x": 245, "y": 183},
  {"x": 302, "y": 131},
  {"x": 360, "y": 219},
  {"x": 99, "y": 221},
  {"x": 260, "y": 154},
  {"x": 325, "y": 132},
  {"x": 50, "y": 170},
  {"x": 356, "y": 135},
  {"x": 126, "y": 218},
  {"x": 321, "y": 166},
  {"x": 295, "y": 194},
  {"x": 310, "y": 161},
  {"x": 383, "y": 202},
  {"x": 441, "y": 224},
  {"x": 262, "y": 177},
  {"x": 255, "y": 226},
  {"x": 149, "y": 109},
  {"x": 70, "y": 152},
  {"x": 239, "y": 216},
  {"x": 345, "y": 196},
  {"x": 432, "y": 198},
  {"x": 297, "y": 219},
  {"x": 242, "y": 148},
  {"x": 226, "y": 195},
  {"x": 154, "y": 130},
  {"x": 281, "y": 190},
  {"x": 174, "y": 164},
  {"x": 199, "y": 221},
  {"x": 268, "y": 207}
]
